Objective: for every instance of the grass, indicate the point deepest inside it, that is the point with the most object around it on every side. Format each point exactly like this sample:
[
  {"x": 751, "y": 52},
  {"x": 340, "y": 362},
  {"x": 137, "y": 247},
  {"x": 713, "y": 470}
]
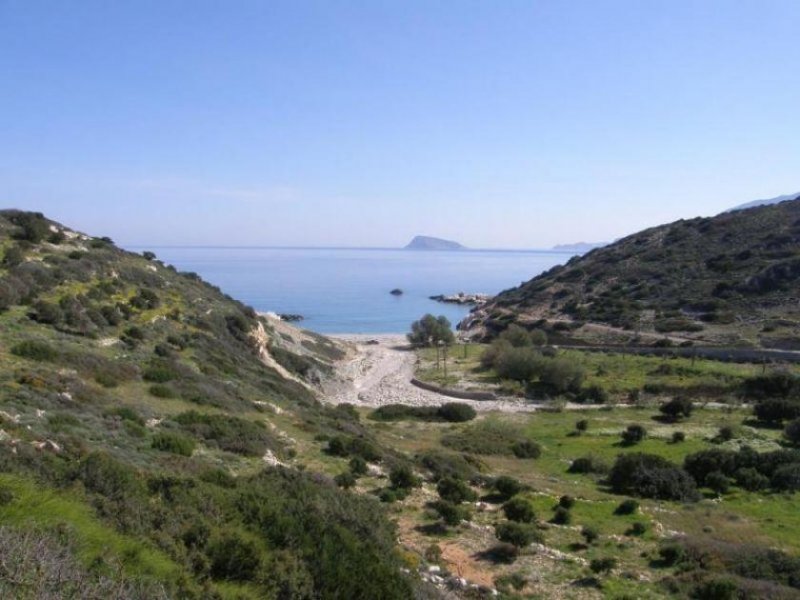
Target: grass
[{"x": 33, "y": 504}]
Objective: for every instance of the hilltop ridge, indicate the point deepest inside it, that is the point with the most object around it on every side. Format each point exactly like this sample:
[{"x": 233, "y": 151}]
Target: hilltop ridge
[{"x": 729, "y": 279}]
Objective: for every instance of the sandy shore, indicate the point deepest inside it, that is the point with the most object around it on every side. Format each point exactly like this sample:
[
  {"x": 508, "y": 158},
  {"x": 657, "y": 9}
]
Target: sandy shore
[{"x": 379, "y": 374}]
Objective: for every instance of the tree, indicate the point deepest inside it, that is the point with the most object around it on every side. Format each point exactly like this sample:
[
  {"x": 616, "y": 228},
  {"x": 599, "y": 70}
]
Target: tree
[
  {"x": 430, "y": 330},
  {"x": 677, "y": 408}
]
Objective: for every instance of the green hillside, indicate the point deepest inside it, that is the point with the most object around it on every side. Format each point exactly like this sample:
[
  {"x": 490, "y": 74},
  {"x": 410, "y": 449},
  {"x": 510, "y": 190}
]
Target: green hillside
[
  {"x": 729, "y": 279},
  {"x": 144, "y": 419}
]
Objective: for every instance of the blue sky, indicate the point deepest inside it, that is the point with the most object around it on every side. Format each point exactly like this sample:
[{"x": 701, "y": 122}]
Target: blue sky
[{"x": 499, "y": 124}]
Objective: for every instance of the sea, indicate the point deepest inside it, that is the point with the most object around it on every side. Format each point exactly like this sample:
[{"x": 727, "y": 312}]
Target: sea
[{"x": 344, "y": 290}]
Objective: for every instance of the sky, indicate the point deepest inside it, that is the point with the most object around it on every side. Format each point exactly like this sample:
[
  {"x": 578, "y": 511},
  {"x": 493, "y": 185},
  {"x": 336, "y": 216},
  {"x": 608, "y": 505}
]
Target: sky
[{"x": 500, "y": 124}]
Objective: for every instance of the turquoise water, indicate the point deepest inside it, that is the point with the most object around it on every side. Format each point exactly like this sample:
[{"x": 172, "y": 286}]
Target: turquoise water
[{"x": 347, "y": 290}]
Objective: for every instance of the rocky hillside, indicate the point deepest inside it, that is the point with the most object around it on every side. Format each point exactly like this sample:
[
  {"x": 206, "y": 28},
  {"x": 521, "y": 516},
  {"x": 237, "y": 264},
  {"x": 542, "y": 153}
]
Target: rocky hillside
[
  {"x": 729, "y": 279},
  {"x": 154, "y": 436}
]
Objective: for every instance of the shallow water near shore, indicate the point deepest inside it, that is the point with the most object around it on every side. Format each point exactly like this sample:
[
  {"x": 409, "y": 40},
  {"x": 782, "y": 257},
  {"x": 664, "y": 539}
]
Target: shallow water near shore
[{"x": 347, "y": 290}]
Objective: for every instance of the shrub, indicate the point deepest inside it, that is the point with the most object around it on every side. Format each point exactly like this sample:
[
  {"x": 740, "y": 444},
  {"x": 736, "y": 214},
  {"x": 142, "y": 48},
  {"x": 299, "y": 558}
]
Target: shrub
[
  {"x": 651, "y": 476},
  {"x": 443, "y": 464},
  {"x": 503, "y": 553},
  {"x": 633, "y": 434},
  {"x": 519, "y": 509},
  {"x": 402, "y": 477},
  {"x": 677, "y": 408},
  {"x": 516, "y": 336},
  {"x": 718, "y": 482},
  {"x": 566, "y": 502},
  {"x": 750, "y": 479},
  {"x": 700, "y": 464},
  {"x": 590, "y": 534},
  {"x": 232, "y": 434},
  {"x": 582, "y": 425},
  {"x": 678, "y": 437},
  {"x": 233, "y": 557},
  {"x": 562, "y": 516},
  {"x": 637, "y": 529},
  {"x": 345, "y": 480},
  {"x": 603, "y": 565},
  {"x": 358, "y": 466},
  {"x": 174, "y": 443},
  {"x": 776, "y": 384},
  {"x": 492, "y": 436},
  {"x": 161, "y": 391},
  {"x": 792, "y": 432},
  {"x": 562, "y": 375},
  {"x": 787, "y": 478},
  {"x": 519, "y": 364},
  {"x": 627, "y": 507},
  {"x": 508, "y": 486},
  {"x": 159, "y": 373},
  {"x": 344, "y": 446},
  {"x": 526, "y": 449},
  {"x": 726, "y": 433},
  {"x": 776, "y": 410},
  {"x": 672, "y": 553},
  {"x": 716, "y": 588},
  {"x": 517, "y": 534},
  {"x": 456, "y": 412},
  {"x": 35, "y": 350},
  {"x": 588, "y": 464},
  {"x": 594, "y": 394},
  {"x": 455, "y": 490},
  {"x": 450, "y": 513}
]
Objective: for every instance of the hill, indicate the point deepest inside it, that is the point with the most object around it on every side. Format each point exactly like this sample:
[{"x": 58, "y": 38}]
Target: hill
[
  {"x": 777, "y": 200},
  {"x": 159, "y": 439},
  {"x": 729, "y": 279},
  {"x": 422, "y": 242},
  {"x": 579, "y": 247}
]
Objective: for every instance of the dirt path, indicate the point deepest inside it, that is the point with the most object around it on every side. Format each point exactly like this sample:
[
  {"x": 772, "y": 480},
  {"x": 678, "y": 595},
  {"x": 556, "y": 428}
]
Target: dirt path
[{"x": 381, "y": 373}]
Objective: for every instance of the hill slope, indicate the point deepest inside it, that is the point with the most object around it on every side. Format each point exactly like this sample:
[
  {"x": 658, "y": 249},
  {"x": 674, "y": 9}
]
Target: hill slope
[
  {"x": 729, "y": 279},
  {"x": 144, "y": 420}
]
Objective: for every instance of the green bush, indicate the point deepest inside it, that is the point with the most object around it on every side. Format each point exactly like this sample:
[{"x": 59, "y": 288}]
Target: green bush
[
  {"x": 345, "y": 480},
  {"x": 232, "y": 434},
  {"x": 519, "y": 509},
  {"x": 602, "y": 565},
  {"x": 452, "y": 412},
  {"x": 562, "y": 516},
  {"x": 451, "y": 514},
  {"x": 566, "y": 502},
  {"x": 633, "y": 434},
  {"x": 174, "y": 443},
  {"x": 455, "y": 490},
  {"x": 518, "y": 534},
  {"x": 651, "y": 476},
  {"x": 518, "y": 364},
  {"x": 161, "y": 391},
  {"x": 526, "y": 449},
  {"x": 590, "y": 534},
  {"x": 677, "y": 408},
  {"x": 792, "y": 432},
  {"x": 402, "y": 477},
  {"x": 627, "y": 507},
  {"x": 589, "y": 464},
  {"x": 234, "y": 557},
  {"x": 489, "y": 436},
  {"x": 507, "y": 486},
  {"x": 35, "y": 350}
]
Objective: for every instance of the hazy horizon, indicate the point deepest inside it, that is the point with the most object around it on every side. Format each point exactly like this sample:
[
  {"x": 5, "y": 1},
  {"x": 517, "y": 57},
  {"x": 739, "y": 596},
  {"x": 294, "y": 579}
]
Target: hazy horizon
[{"x": 361, "y": 124}]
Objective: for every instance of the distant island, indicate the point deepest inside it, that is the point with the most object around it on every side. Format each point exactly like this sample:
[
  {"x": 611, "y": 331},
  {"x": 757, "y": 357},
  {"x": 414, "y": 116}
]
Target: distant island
[
  {"x": 423, "y": 242},
  {"x": 579, "y": 247}
]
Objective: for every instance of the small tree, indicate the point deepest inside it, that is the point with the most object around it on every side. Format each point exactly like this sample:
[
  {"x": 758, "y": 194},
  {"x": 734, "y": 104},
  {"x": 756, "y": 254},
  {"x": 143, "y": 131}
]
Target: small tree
[
  {"x": 518, "y": 534},
  {"x": 430, "y": 330},
  {"x": 508, "y": 486},
  {"x": 562, "y": 516},
  {"x": 517, "y": 336},
  {"x": 452, "y": 514}
]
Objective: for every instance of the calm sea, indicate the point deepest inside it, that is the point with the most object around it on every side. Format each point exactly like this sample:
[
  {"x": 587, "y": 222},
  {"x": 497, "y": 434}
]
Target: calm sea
[{"x": 347, "y": 290}]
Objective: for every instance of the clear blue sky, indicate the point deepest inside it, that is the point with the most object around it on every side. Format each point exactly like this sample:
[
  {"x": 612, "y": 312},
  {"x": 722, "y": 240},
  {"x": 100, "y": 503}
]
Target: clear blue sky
[{"x": 499, "y": 124}]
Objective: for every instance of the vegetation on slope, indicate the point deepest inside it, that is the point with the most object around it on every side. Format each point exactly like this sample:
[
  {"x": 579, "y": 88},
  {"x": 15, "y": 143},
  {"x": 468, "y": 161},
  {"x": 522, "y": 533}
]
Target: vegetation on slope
[
  {"x": 139, "y": 407},
  {"x": 729, "y": 278}
]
